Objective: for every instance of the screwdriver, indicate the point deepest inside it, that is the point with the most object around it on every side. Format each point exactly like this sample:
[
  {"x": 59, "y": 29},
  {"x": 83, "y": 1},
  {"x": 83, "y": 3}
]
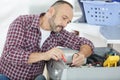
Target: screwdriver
[{"x": 63, "y": 58}]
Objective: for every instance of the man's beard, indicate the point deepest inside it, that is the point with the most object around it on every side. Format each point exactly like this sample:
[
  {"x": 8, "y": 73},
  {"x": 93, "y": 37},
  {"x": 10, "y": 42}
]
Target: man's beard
[{"x": 53, "y": 26}]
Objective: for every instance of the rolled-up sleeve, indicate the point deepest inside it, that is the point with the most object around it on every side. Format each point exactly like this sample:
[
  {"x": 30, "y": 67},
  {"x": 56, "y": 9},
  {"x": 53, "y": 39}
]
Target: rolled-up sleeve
[{"x": 72, "y": 41}]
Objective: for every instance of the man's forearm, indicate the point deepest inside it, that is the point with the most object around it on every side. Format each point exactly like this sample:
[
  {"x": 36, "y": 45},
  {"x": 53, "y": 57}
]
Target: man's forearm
[
  {"x": 86, "y": 50},
  {"x": 35, "y": 57}
]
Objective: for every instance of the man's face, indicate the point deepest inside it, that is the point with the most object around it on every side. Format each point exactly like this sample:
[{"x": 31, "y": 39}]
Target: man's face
[
  {"x": 61, "y": 18},
  {"x": 54, "y": 27}
]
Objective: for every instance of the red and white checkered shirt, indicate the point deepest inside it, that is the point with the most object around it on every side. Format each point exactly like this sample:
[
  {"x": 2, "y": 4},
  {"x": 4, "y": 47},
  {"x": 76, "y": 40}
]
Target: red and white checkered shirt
[{"x": 23, "y": 38}]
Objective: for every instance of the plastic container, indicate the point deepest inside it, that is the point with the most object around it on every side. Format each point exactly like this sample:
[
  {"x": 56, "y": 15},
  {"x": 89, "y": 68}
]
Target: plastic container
[
  {"x": 116, "y": 0},
  {"x": 102, "y": 13}
]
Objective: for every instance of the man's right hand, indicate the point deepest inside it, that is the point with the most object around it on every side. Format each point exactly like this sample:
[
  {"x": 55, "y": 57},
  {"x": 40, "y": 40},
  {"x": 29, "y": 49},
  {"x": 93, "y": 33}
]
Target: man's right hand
[{"x": 54, "y": 53}]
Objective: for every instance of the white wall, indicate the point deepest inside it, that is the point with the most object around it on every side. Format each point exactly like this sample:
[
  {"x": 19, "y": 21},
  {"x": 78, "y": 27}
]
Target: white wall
[
  {"x": 37, "y": 6},
  {"x": 9, "y": 10}
]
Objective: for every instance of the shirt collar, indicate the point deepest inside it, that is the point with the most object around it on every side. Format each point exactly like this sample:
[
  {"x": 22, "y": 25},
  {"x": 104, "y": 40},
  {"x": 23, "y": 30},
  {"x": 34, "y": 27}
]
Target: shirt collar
[{"x": 36, "y": 20}]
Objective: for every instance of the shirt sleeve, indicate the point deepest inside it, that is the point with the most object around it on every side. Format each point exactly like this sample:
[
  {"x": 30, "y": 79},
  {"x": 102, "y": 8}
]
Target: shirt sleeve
[
  {"x": 14, "y": 51},
  {"x": 67, "y": 39}
]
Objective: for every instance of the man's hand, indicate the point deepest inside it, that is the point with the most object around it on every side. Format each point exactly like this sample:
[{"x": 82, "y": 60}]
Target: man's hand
[
  {"x": 78, "y": 60},
  {"x": 54, "y": 53}
]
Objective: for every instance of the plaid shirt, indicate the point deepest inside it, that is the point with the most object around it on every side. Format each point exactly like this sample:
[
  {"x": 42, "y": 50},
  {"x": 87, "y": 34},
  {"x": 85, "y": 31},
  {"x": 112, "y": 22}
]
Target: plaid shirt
[{"x": 23, "y": 38}]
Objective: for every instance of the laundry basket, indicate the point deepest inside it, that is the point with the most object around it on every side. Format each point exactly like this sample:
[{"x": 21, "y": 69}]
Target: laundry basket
[
  {"x": 116, "y": 0},
  {"x": 102, "y": 13}
]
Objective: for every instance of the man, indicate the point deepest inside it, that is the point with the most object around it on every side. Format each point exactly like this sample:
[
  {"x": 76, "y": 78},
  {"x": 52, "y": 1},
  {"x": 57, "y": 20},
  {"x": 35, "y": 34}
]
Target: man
[{"x": 33, "y": 39}]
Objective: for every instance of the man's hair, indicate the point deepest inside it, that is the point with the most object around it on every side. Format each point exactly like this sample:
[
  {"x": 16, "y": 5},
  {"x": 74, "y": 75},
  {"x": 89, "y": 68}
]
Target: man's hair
[{"x": 59, "y": 2}]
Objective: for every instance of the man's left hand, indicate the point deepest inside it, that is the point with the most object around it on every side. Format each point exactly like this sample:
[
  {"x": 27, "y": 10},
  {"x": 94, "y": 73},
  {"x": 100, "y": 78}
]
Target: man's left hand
[{"x": 78, "y": 60}]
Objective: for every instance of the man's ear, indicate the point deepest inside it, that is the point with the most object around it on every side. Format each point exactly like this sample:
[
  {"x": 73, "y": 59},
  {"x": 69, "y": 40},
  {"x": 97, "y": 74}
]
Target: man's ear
[{"x": 51, "y": 11}]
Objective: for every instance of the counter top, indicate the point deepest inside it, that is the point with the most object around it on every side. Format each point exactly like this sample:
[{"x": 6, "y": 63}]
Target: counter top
[
  {"x": 109, "y": 34},
  {"x": 84, "y": 28}
]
